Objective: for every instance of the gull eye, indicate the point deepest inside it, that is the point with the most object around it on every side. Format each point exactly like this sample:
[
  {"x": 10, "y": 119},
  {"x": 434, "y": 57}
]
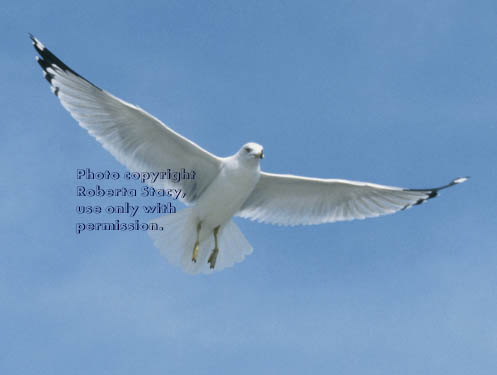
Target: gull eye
[{"x": 248, "y": 149}]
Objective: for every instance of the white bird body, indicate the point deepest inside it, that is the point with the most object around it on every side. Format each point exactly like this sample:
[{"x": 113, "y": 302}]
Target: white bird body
[
  {"x": 223, "y": 187},
  {"x": 227, "y": 193}
]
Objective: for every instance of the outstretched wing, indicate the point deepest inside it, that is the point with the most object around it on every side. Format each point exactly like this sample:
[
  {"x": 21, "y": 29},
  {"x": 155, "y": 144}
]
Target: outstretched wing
[
  {"x": 293, "y": 200},
  {"x": 137, "y": 139}
]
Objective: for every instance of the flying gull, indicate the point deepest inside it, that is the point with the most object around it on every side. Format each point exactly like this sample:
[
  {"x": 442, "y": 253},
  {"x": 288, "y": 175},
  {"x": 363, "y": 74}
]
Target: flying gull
[{"x": 203, "y": 237}]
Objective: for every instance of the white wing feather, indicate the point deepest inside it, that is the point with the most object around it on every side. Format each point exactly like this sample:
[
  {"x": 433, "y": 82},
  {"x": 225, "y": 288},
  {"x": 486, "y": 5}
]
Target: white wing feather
[
  {"x": 135, "y": 138},
  {"x": 293, "y": 200}
]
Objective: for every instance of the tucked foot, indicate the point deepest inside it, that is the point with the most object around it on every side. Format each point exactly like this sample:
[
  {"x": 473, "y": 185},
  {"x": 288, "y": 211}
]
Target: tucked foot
[
  {"x": 195, "y": 252},
  {"x": 213, "y": 257}
]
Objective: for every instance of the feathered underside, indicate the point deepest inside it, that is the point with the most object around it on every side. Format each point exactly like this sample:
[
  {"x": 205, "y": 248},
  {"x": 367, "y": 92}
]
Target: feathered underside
[
  {"x": 295, "y": 200},
  {"x": 135, "y": 138}
]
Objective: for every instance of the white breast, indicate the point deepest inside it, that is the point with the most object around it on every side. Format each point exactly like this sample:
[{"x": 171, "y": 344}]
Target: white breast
[{"x": 224, "y": 197}]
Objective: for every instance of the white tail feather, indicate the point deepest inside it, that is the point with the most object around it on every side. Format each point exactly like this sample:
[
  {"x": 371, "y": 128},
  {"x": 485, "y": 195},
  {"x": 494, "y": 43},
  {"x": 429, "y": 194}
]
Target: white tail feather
[{"x": 178, "y": 236}]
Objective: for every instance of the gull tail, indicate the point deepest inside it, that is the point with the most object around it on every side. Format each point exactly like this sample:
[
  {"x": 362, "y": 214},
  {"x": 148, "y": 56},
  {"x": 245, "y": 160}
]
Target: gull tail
[{"x": 177, "y": 239}]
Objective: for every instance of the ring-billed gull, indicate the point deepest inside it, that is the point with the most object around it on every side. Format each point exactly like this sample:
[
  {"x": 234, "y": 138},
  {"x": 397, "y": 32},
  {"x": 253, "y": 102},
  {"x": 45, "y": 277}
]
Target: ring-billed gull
[{"x": 203, "y": 237}]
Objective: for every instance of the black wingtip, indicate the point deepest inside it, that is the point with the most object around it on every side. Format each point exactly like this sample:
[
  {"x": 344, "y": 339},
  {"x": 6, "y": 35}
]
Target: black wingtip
[
  {"x": 455, "y": 181},
  {"x": 432, "y": 193},
  {"x": 47, "y": 60}
]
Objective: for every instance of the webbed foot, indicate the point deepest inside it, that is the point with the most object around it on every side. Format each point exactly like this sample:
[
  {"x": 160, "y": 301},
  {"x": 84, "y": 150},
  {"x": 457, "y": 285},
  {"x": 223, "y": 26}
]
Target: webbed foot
[
  {"x": 195, "y": 252},
  {"x": 213, "y": 258}
]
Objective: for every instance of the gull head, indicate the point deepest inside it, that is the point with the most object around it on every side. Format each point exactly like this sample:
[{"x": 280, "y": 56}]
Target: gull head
[{"x": 251, "y": 151}]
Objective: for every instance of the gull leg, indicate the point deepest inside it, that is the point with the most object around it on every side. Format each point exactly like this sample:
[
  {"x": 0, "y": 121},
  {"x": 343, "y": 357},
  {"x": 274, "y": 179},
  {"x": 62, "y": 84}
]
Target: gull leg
[
  {"x": 195, "y": 247},
  {"x": 213, "y": 257}
]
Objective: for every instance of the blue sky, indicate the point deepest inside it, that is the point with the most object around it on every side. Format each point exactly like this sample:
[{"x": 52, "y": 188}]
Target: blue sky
[{"x": 393, "y": 92}]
